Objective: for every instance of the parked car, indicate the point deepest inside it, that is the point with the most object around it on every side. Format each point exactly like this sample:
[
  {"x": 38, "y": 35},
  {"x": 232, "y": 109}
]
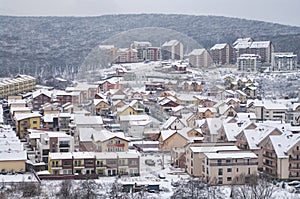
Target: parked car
[{"x": 149, "y": 162}]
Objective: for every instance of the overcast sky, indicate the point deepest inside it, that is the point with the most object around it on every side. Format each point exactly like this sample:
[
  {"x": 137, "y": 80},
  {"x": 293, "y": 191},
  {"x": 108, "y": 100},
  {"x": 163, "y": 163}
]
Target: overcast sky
[{"x": 278, "y": 11}]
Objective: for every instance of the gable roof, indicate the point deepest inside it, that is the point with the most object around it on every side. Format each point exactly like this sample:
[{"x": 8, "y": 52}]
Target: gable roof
[
  {"x": 41, "y": 92},
  {"x": 97, "y": 101},
  {"x": 165, "y": 134},
  {"x": 214, "y": 124},
  {"x": 255, "y": 136},
  {"x": 283, "y": 143},
  {"x": 90, "y": 134},
  {"x": 170, "y": 121},
  {"x": 22, "y": 116}
]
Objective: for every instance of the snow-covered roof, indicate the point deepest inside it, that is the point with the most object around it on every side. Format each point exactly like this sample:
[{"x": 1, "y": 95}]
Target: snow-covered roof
[
  {"x": 230, "y": 155},
  {"x": 244, "y": 40},
  {"x": 170, "y": 43},
  {"x": 165, "y": 134},
  {"x": 19, "y": 109},
  {"x": 170, "y": 121},
  {"x": 224, "y": 108},
  {"x": 203, "y": 109},
  {"x": 268, "y": 104},
  {"x": 85, "y": 120},
  {"x": 70, "y": 155},
  {"x": 134, "y": 118},
  {"x": 233, "y": 99},
  {"x": 233, "y": 129},
  {"x": 22, "y": 116},
  {"x": 97, "y": 101},
  {"x": 255, "y": 136},
  {"x": 283, "y": 143},
  {"x": 213, "y": 149},
  {"x": 260, "y": 44},
  {"x": 197, "y": 51},
  {"x": 246, "y": 116},
  {"x": 218, "y": 46},
  {"x": 49, "y": 117},
  {"x": 41, "y": 92},
  {"x": 12, "y": 155},
  {"x": 214, "y": 124},
  {"x": 90, "y": 134}
]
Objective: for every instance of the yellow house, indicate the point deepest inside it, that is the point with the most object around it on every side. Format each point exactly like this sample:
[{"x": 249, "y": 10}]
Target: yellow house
[
  {"x": 101, "y": 106},
  {"x": 126, "y": 110},
  {"x": 27, "y": 121},
  {"x": 13, "y": 160}
]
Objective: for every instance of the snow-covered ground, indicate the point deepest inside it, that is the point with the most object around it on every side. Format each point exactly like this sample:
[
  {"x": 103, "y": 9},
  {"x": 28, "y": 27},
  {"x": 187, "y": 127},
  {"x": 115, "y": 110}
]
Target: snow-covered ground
[{"x": 149, "y": 174}]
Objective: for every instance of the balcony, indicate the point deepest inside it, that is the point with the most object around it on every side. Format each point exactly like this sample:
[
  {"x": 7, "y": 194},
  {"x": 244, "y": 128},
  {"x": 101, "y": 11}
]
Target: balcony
[
  {"x": 56, "y": 166},
  {"x": 294, "y": 160},
  {"x": 269, "y": 165},
  {"x": 233, "y": 163},
  {"x": 116, "y": 145},
  {"x": 64, "y": 145},
  {"x": 269, "y": 156}
]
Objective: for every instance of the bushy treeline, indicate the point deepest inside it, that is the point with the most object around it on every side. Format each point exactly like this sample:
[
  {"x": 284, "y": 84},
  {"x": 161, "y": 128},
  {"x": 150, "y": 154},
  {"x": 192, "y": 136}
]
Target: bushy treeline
[{"x": 45, "y": 46}]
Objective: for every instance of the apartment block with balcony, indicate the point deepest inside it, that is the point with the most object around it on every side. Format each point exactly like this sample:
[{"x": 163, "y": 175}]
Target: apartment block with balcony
[
  {"x": 145, "y": 51},
  {"x": 200, "y": 58},
  {"x": 194, "y": 155},
  {"x": 101, "y": 163},
  {"x": 281, "y": 157},
  {"x": 284, "y": 61},
  {"x": 172, "y": 50},
  {"x": 54, "y": 142},
  {"x": 39, "y": 98},
  {"x": 247, "y": 46},
  {"x": 225, "y": 168},
  {"x": 27, "y": 121},
  {"x": 22, "y": 83},
  {"x": 126, "y": 55},
  {"x": 223, "y": 54},
  {"x": 268, "y": 110},
  {"x": 249, "y": 62}
]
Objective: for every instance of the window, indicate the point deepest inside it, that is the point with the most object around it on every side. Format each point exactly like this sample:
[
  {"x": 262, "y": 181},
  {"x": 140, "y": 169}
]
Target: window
[
  {"x": 248, "y": 171},
  {"x": 220, "y": 180},
  {"x": 34, "y": 122},
  {"x": 133, "y": 162},
  {"x": 219, "y": 162},
  {"x": 229, "y": 170},
  {"x": 118, "y": 141},
  {"x": 220, "y": 172},
  {"x": 237, "y": 170},
  {"x": 228, "y": 179},
  {"x": 67, "y": 163},
  {"x": 228, "y": 161}
]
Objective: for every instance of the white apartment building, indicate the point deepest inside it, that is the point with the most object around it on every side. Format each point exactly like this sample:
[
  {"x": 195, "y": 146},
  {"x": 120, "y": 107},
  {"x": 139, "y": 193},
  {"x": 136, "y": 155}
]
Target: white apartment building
[
  {"x": 226, "y": 168},
  {"x": 284, "y": 61},
  {"x": 249, "y": 62}
]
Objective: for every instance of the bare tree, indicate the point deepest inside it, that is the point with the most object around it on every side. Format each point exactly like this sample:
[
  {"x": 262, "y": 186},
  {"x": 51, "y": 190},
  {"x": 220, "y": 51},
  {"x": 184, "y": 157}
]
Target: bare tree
[
  {"x": 29, "y": 189},
  {"x": 86, "y": 189},
  {"x": 66, "y": 189},
  {"x": 252, "y": 186}
]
